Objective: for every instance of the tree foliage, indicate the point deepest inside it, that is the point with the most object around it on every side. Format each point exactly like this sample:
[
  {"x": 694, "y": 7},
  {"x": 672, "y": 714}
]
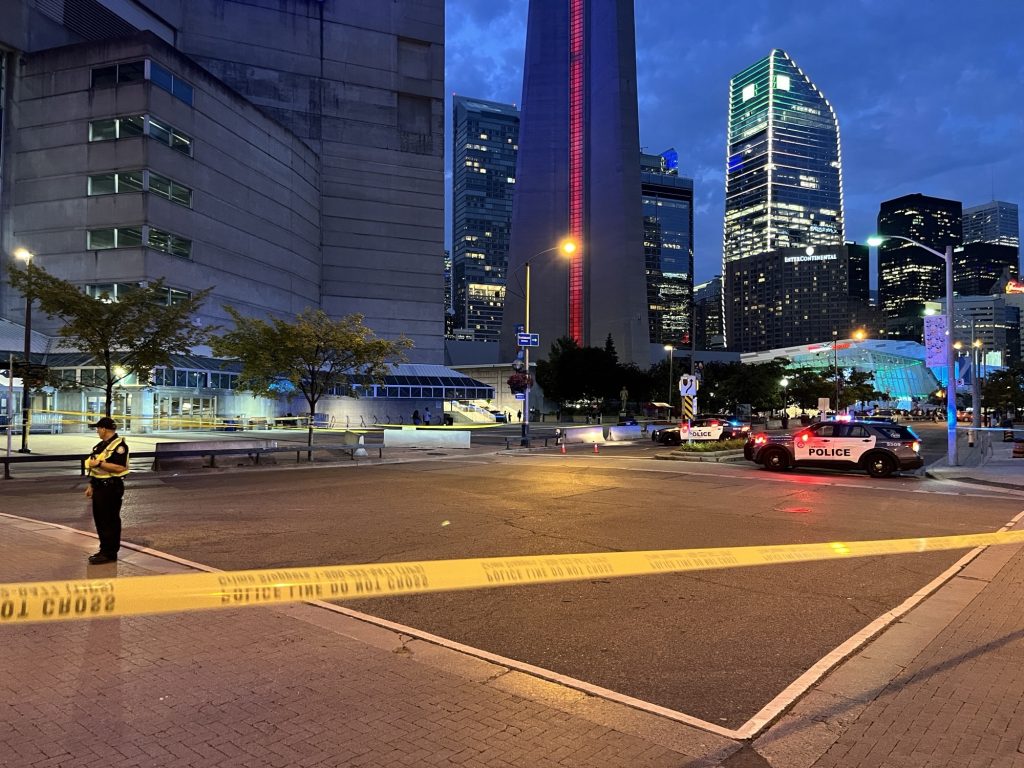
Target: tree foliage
[
  {"x": 1004, "y": 390},
  {"x": 313, "y": 353},
  {"x": 126, "y": 337},
  {"x": 573, "y": 373}
]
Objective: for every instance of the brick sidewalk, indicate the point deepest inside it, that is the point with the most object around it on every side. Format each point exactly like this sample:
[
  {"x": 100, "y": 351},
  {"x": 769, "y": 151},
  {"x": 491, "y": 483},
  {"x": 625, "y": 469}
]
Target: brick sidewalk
[{"x": 292, "y": 686}]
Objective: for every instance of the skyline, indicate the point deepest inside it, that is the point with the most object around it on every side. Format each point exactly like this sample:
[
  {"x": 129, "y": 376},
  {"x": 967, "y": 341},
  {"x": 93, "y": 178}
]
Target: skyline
[{"x": 902, "y": 130}]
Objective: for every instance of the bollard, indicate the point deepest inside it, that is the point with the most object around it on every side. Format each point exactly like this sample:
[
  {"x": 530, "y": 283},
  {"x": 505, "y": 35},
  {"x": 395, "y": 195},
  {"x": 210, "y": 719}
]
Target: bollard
[
  {"x": 360, "y": 451},
  {"x": 1018, "y": 449}
]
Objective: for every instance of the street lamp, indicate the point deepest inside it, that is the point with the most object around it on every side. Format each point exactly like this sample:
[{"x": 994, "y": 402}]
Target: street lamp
[
  {"x": 785, "y": 394},
  {"x": 671, "y": 350},
  {"x": 25, "y": 255},
  {"x": 567, "y": 248},
  {"x": 947, "y": 257}
]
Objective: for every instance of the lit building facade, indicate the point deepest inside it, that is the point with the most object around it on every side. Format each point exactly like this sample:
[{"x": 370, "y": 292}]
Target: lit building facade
[
  {"x": 796, "y": 296},
  {"x": 485, "y": 144},
  {"x": 667, "y": 202},
  {"x": 995, "y": 222},
  {"x": 709, "y": 314},
  {"x": 980, "y": 267},
  {"x": 578, "y": 177},
  {"x": 993, "y": 320},
  {"x": 784, "y": 186},
  {"x": 908, "y": 276}
]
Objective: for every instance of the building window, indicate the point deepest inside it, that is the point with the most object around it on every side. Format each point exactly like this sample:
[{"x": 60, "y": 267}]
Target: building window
[
  {"x": 137, "y": 71},
  {"x": 110, "y": 293},
  {"x": 171, "y": 190},
  {"x": 115, "y": 183},
  {"x": 170, "y": 82},
  {"x": 749, "y": 91},
  {"x": 169, "y": 243},
  {"x": 113, "y": 237},
  {"x": 139, "y": 125}
]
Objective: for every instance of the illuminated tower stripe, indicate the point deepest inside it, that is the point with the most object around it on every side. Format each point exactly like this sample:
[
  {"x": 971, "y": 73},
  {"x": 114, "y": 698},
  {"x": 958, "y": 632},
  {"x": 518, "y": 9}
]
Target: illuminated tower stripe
[{"x": 577, "y": 161}]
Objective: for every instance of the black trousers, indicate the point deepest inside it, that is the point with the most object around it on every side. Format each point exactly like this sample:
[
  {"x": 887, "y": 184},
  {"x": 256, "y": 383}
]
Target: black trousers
[{"x": 106, "y": 512}]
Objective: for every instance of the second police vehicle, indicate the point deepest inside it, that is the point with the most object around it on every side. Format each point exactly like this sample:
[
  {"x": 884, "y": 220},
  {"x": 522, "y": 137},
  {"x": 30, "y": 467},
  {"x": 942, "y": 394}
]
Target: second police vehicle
[{"x": 879, "y": 448}]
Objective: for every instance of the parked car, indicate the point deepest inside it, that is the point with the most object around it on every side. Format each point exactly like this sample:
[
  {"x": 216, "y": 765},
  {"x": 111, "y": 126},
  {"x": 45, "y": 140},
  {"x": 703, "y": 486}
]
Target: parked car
[
  {"x": 879, "y": 448},
  {"x": 500, "y": 417}
]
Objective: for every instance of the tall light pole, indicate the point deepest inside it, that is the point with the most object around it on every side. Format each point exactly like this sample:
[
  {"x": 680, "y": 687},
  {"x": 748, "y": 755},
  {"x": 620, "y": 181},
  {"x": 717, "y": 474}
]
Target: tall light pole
[
  {"x": 671, "y": 350},
  {"x": 785, "y": 395},
  {"x": 567, "y": 248},
  {"x": 947, "y": 257},
  {"x": 25, "y": 255}
]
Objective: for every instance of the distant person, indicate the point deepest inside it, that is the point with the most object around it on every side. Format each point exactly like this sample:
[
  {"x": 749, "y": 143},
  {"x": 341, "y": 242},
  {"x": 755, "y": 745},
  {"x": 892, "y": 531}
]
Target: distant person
[
  {"x": 416, "y": 416},
  {"x": 426, "y": 416},
  {"x": 107, "y": 465},
  {"x": 519, "y": 415}
]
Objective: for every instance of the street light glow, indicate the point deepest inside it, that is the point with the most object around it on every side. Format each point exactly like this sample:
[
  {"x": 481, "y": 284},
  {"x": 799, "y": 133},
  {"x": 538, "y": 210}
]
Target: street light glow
[
  {"x": 568, "y": 247},
  {"x": 23, "y": 254}
]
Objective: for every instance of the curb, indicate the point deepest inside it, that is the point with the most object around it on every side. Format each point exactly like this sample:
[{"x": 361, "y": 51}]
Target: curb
[{"x": 711, "y": 456}]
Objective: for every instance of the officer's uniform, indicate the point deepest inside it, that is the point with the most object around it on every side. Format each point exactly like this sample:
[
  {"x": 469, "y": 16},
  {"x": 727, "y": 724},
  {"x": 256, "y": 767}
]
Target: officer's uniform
[{"x": 107, "y": 492}]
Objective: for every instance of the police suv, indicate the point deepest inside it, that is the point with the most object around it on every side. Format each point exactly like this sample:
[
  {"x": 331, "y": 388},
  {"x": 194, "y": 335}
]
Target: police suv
[{"x": 877, "y": 447}]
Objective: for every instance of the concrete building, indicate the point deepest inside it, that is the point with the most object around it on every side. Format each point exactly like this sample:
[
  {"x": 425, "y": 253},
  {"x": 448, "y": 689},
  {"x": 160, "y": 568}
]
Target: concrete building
[
  {"x": 992, "y": 320},
  {"x": 667, "y": 207},
  {"x": 979, "y": 267},
  {"x": 485, "y": 144},
  {"x": 287, "y": 155},
  {"x": 307, "y": 137},
  {"x": 578, "y": 177}
]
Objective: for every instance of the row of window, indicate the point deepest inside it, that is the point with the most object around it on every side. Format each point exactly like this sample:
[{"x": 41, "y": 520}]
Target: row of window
[
  {"x": 129, "y": 126},
  {"x": 134, "y": 237},
  {"x": 113, "y": 292},
  {"x": 176, "y": 377},
  {"x": 140, "y": 181},
  {"x": 137, "y": 71}
]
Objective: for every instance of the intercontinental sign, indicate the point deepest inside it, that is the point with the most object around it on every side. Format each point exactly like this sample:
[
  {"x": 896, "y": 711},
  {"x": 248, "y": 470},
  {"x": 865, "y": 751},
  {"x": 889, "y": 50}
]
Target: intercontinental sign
[{"x": 812, "y": 257}]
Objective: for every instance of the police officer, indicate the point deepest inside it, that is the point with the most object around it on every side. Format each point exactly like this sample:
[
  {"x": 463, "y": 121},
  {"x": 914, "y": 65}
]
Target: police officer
[{"x": 107, "y": 465}]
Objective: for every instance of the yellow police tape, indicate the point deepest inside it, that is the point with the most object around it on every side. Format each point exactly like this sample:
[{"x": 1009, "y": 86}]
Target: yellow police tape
[{"x": 132, "y": 596}]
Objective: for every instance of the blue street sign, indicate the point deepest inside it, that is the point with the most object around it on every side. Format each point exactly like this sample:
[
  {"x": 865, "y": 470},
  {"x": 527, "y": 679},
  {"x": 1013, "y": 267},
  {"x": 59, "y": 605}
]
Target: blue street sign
[
  {"x": 528, "y": 339},
  {"x": 520, "y": 395}
]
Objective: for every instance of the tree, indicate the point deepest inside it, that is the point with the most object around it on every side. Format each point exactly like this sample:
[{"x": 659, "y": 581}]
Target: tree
[
  {"x": 132, "y": 335},
  {"x": 313, "y": 353},
  {"x": 573, "y": 373},
  {"x": 1004, "y": 390}
]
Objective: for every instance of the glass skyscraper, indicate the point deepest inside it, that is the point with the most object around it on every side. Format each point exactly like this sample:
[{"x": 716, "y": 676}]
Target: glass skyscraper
[
  {"x": 485, "y": 146},
  {"x": 784, "y": 185},
  {"x": 996, "y": 222},
  {"x": 667, "y": 201}
]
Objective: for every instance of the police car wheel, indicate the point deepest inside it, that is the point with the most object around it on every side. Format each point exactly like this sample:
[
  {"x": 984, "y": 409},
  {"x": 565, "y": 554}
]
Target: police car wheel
[
  {"x": 775, "y": 459},
  {"x": 879, "y": 465}
]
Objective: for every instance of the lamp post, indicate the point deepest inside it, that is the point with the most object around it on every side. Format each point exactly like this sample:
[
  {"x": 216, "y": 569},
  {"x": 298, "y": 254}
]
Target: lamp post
[
  {"x": 785, "y": 395},
  {"x": 947, "y": 257},
  {"x": 671, "y": 350},
  {"x": 25, "y": 255},
  {"x": 567, "y": 247}
]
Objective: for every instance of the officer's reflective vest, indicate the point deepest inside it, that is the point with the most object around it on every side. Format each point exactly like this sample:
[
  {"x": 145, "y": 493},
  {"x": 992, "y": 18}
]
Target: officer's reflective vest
[{"x": 105, "y": 454}]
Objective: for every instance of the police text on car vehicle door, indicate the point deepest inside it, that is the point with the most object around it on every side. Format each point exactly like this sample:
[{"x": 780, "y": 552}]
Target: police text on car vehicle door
[{"x": 834, "y": 442}]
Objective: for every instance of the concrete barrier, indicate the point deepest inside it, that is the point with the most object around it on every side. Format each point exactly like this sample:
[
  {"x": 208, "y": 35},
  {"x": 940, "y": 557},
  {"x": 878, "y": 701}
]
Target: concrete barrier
[
  {"x": 619, "y": 432},
  {"x": 426, "y": 438},
  {"x": 166, "y": 458},
  {"x": 587, "y": 435}
]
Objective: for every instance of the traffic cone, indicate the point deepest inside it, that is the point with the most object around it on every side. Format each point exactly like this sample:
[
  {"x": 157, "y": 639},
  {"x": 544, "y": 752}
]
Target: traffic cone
[
  {"x": 595, "y": 447},
  {"x": 563, "y": 447}
]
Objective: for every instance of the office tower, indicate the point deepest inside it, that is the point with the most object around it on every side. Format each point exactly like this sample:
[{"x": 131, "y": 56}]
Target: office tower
[
  {"x": 994, "y": 321},
  {"x": 289, "y": 154},
  {"x": 449, "y": 310},
  {"x": 783, "y": 202},
  {"x": 791, "y": 296},
  {"x": 995, "y": 222},
  {"x": 980, "y": 267},
  {"x": 578, "y": 176},
  {"x": 783, "y": 185},
  {"x": 485, "y": 143},
  {"x": 708, "y": 313},
  {"x": 908, "y": 276},
  {"x": 667, "y": 202}
]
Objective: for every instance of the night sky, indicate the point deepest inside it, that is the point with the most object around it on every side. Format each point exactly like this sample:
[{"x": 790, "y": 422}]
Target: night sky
[{"x": 929, "y": 93}]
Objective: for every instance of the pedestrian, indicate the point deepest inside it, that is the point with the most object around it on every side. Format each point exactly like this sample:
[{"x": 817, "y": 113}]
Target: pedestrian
[
  {"x": 519, "y": 415},
  {"x": 416, "y": 416},
  {"x": 107, "y": 465},
  {"x": 426, "y": 415}
]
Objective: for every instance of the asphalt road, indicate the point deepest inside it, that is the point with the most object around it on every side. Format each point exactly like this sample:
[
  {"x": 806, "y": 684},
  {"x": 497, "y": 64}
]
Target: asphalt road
[{"x": 716, "y": 645}]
